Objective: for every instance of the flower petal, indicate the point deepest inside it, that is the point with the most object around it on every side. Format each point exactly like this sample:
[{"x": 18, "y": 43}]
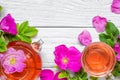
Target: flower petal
[
  {"x": 1, "y": 56},
  {"x": 59, "y": 49},
  {"x": 10, "y": 70},
  {"x": 10, "y": 51},
  {"x": 46, "y": 74},
  {"x": 85, "y": 38},
  {"x": 60, "y": 52},
  {"x": 117, "y": 47},
  {"x": 99, "y": 23},
  {"x": 115, "y": 7},
  {"x": 21, "y": 54},
  {"x": 118, "y": 57},
  {"x": 20, "y": 66},
  {"x": 61, "y": 64},
  {"x": 74, "y": 66}
]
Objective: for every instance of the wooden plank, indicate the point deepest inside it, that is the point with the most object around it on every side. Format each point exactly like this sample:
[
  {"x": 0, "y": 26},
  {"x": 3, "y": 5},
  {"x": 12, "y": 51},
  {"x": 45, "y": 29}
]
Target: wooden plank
[{"x": 59, "y": 12}]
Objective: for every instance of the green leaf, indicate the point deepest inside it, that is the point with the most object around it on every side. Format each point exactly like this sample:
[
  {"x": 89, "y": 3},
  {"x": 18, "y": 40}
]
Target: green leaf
[
  {"x": 3, "y": 45},
  {"x": 0, "y": 8},
  {"x": 15, "y": 38},
  {"x": 24, "y": 38},
  {"x": 81, "y": 75},
  {"x": 103, "y": 37},
  {"x": 22, "y": 27},
  {"x": 110, "y": 42},
  {"x": 25, "y": 32},
  {"x": 84, "y": 76},
  {"x": 74, "y": 78},
  {"x": 17, "y": 24},
  {"x": 116, "y": 71},
  {"x": 63, "y": 74},
  {"x": 93, "y": 78},
  {"x": 31, "y": 31},
  {"x": 112, "y": 30}
]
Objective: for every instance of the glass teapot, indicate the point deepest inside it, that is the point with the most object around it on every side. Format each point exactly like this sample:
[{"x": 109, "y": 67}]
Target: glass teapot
[{"x": 33, "y": 61}]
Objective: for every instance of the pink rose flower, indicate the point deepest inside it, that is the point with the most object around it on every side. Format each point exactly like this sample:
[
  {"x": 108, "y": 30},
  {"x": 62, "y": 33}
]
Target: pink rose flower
[
  {"x": 115, "y": 7},
  {"x": 8, "y": 25},
  {"x": 68, "y": 58},
  {"x": 99, "y": 23},
  {"x": 48, "y": 74},
  {"x": 117, "y": 49},
  {"x": 85, "y": 38},
  {"x": 13, "y": 61}
]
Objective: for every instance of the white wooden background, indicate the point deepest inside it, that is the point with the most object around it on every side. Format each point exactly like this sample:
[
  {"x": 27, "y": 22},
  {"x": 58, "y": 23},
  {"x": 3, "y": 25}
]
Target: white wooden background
[{"x": 59, "y": 21}]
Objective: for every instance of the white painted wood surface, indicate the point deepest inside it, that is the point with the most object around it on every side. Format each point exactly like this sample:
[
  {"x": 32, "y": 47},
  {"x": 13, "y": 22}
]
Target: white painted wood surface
[
  {"x": 76, "y": 14},
  {"x": 59, "y": 12}
]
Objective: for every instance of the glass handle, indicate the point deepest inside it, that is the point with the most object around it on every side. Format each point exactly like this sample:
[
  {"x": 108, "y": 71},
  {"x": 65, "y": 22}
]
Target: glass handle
[{"x": 37, "y": 46}]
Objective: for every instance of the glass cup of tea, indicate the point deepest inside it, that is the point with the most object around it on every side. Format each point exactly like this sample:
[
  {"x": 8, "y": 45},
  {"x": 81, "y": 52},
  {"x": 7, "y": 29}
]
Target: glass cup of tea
[{"x": 98, "y": 59}]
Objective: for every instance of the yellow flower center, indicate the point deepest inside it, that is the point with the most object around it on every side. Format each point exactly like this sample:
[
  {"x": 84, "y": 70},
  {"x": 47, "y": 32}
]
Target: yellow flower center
[
  {"x": 65, "y": 60},
  {"x": 12, "y": 61}
]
